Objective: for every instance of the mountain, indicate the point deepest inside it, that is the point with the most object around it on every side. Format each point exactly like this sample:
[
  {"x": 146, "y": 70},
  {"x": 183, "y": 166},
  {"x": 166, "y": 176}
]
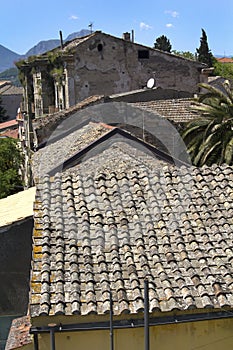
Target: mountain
[
  {"x": 219, "y": 56},
  {"x": 43, "y": 46},
  {"x": 47, "y": 45},
  {"x": 8, "y": 57},
  {"x": 79, "y": 34}
]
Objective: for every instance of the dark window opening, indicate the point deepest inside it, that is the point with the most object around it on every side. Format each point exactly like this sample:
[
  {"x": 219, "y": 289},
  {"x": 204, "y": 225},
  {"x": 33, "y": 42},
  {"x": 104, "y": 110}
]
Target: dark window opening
[
  {"x": 100, "y": 47},
  {"x": 143, "y": 53}
]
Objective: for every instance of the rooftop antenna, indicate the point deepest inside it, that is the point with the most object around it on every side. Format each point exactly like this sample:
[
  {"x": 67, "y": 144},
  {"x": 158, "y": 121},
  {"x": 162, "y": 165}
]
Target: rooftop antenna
[{"x": 90, "y": 25}]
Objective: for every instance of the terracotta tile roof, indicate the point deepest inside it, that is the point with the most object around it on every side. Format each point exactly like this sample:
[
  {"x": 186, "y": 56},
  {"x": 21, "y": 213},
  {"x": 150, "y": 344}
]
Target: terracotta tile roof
[
  {"x": 10, "y": 124},
  {"x": 225, "y": 60},
  {"x": 110, "y": 229},
  {"x": 19, "y": 333},
  {"x": 176, "y": 110},
  {"x": 10, "y": 133}
]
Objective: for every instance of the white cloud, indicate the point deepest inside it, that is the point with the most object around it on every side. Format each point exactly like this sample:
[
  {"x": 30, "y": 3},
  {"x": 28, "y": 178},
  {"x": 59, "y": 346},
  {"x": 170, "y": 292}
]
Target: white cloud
[
  {"x": 169, "y": 25},
  {"x": 73, "y": 17},
  {"x": 145, "y": 26},
  {"x": 174, "y": 14}
]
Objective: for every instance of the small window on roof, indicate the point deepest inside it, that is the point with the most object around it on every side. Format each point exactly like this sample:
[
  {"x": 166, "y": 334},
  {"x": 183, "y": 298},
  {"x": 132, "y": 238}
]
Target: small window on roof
[{"x": 143, "y": 54}]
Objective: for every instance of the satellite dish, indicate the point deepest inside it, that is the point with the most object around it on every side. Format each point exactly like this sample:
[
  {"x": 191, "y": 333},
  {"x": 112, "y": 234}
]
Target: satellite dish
[{"x": 151, "y": 83}]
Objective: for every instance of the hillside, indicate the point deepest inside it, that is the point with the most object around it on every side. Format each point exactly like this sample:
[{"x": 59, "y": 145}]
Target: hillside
[
  {"x": 7, "y": 58},
  {"x": 43, "y": 46},
  {"x": 11, "y": 74}
]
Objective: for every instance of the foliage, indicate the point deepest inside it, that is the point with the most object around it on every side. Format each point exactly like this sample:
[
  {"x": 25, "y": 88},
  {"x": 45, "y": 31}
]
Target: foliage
[
  {"x": 209, "y": 139},
  {"x": 163, "y": 43},
  {"x": 185, "y": 54},
  {"x": 204, "y": 55},
  {"x": 10, "y": 165},
  {"x": 3, "y": 116},
  {"x": 224, "y": 70}
]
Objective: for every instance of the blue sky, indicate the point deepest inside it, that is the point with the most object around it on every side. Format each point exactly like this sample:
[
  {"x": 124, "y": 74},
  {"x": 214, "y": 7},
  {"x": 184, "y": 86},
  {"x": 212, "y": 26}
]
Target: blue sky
[{"x": 23, "y": 23}]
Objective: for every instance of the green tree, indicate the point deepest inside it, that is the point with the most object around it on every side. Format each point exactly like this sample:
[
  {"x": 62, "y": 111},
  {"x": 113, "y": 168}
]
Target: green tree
[
  {"x": 224, "y": 70},
  {"x": 3, "y": 116},
  {"x": 204, "y": 55},
  {"x": 163, "y": 43},
  {"x": 209, "y": 139},
  {"x": 185, "y": 54},
  {"x": 10, "y": 165}
]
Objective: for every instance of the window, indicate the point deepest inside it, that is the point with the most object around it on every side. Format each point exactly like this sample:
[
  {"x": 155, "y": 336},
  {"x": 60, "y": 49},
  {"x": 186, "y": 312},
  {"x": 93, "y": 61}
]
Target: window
[
  {"x": 143, "y": 54},
  {"x": 100, "y": 47}
]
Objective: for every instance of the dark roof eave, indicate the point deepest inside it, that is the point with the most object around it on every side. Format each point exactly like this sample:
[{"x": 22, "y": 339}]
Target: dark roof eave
[{"x": 127, "y": 322}]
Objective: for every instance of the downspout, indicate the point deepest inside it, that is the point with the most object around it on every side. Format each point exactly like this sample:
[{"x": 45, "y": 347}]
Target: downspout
[
  {"x": 146, "y": 316},
  {"x": 52, "y": 336},
  {"x": 36, "y": 343},
  {"x": 111, "y": 324}
]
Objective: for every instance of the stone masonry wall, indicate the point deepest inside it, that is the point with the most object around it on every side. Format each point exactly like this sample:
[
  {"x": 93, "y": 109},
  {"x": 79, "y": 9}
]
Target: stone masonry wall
[{"x": 107, "y": 65}]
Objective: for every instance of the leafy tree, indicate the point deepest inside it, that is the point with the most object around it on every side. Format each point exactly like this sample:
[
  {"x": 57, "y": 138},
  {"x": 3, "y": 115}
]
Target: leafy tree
[
  {"x": 224, "y": 70},
  {"x": 163, "y": 43},
  {"x": 204, "y": 55},
  {"x": 185, "y": 54},
  {"x": 209, "y": 139},
  {"x": 3, "y": 116},
  {"x": 10, "y": 165}
]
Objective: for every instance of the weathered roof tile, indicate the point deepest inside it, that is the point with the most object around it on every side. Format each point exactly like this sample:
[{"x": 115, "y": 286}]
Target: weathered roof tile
[{"x": 110, "y": 229}]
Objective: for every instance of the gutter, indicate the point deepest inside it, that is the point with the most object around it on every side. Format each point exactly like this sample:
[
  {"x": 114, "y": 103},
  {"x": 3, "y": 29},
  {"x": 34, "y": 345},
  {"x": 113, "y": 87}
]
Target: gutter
[
  {"x": 123, "y": 324},
  {"x": 133, "y": 323}
]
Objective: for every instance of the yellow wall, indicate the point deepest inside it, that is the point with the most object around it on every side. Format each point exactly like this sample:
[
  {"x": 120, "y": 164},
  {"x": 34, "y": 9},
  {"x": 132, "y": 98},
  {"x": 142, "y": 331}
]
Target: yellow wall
[{"x": 202, "y": 335}]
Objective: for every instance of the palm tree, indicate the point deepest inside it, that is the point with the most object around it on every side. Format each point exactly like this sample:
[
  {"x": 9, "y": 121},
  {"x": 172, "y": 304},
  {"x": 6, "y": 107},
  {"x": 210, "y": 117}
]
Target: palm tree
[{"x": 209, "y": 138}]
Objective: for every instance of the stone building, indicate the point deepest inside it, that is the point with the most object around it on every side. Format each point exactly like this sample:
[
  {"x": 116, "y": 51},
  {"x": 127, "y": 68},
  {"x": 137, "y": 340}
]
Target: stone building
[
  {"x": 101, "y": 64},
  {"x": 11, "y": 98}
]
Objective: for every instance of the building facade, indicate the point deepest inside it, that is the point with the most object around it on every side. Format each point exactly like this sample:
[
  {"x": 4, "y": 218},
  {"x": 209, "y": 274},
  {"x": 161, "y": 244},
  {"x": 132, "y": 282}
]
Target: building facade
[{"x": 101, "y": 64}]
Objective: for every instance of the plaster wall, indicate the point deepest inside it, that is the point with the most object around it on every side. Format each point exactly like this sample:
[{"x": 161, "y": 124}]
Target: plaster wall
[
  {"x": 107, "y": 65},
  {"x": 15, "y": 259},
  {"x": 11, "y": 103},
  {"x": 15, "y": 263},
  {"x": 205, "y": 335}
]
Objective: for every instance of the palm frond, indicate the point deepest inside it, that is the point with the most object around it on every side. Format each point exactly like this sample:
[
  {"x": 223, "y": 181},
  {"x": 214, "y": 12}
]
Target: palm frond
[
  {"x": 229, "y": 152},
  {"x": 215, "y": 92},
  {"x": 208, "y": 152},
  {"x": 193, "y": 127},
  {"x": 206, "y": 144}
]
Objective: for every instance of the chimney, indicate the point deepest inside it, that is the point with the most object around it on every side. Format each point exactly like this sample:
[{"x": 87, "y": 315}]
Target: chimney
[
  {"x": 126, "y": 36},
  {"x": 132, "y": 33}
]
